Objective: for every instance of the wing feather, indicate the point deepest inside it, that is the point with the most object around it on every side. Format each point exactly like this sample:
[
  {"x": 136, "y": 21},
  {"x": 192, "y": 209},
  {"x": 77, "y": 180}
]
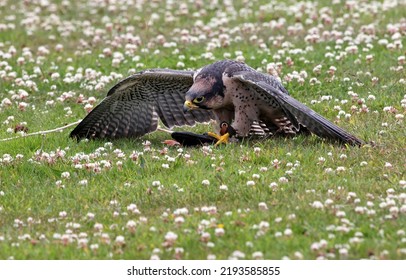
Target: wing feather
[
  {"x": 296, "y": 112},
  {"x": 133, "y": 107},
  {"x": 172, "y": 109},
  {"x": 200, "y": 115}
]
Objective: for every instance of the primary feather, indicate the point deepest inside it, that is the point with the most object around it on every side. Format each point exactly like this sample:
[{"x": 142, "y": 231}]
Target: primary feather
[{"x": 134, "y": 106}]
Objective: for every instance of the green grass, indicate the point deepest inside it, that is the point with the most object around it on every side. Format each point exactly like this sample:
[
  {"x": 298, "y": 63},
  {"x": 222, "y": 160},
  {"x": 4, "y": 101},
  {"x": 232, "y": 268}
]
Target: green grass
[{"x": 368, "y": 191}]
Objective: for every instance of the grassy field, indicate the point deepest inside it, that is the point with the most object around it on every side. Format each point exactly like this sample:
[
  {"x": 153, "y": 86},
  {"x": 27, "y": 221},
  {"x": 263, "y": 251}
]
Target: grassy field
[{"x": 300, "y": 198}]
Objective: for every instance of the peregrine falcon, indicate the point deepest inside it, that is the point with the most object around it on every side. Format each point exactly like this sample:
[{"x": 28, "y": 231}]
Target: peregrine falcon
[{"x": 227, "y": 91}]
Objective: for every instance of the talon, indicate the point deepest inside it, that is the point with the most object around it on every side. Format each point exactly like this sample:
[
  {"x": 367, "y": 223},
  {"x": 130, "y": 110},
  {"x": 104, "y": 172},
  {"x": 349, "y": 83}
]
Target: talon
[
  {"x": 226, "y": 131},
  {"x": 221, "y": 139}
]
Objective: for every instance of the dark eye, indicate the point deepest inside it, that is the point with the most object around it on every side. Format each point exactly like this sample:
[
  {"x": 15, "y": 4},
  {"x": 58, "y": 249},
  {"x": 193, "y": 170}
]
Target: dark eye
[{"x": 198, "y": 99}]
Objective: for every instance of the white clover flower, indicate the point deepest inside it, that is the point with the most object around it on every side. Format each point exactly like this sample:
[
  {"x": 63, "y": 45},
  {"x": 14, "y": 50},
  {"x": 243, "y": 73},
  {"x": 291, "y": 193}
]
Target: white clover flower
[
  {"x": 170, "y": 159},
  {"x": 298, "y": 255},
  {"x": 328, "y": 202},
  {"x": 181, "y": 211},
  {"x": 250, "y": 183},
  {"x": 317, "y": 204},
  {"x": 56, "y": 236},
  {"x": 340, "y": 169},
  {"x": 263, "y": 225},
  {"x": 278, "y": 220},
  {"x": 273, "y": 185},
  {"x": 90, "y": 216},
  {"x": 340, "y": 214},
  {"x": 113, "y": 202},
  {"x": 278, "y": 234},
  {"x": 258, "y": 255},
  {"x": 315, "y": 247},
  {"x": 132, "y": 207},
  {"x": 399, "y": 116},
  {"x": 219, "y": 232},
  {"x": 98, "y": 227},
  {"x": 206, "y": 182},
  {"x": 343, "y": 252},
  {"x": 288, "y": 172},
  {"x": 63, "y": 214},
  {"x": 323, "y": 243},
  {"x": 83, "y": 182},
  {"x": 394, "y": 210},
  {"x": 370, "y": 204},
  {"x": 171, "y": 236},
  {"x": 22, "y": 106},
  {"x": 120, "y": 240},
  {"x": 360, "y": 210},
  {"x": 94, "y": 247},
  {"x": 288, "y": 232},
  {"x": 156, "y": 183},
  {"x": 351, "y": 196},
  {"x": 131, "y": 226},
  {"x": 154, "y": 257},
  {"x": 223, "y": 187},
  {"x": 317, "y": 69},
  {"x": 55, "y": 76},
  {"x": 82, "y": 242},
  {"x": 179, "y": 220},
  {"x": 262, "y": 206},
  {"x": 180, "y": 64},
  {"x": 205, "y": 237},
  {"x": 238, "y": 255},
  {"x": 371, "y": 212}
]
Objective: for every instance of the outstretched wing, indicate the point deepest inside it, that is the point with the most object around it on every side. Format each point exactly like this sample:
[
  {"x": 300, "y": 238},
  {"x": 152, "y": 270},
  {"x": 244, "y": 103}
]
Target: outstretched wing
[
  {"x": 134, "y": 106},
  {"x": 298, "y": 113}
]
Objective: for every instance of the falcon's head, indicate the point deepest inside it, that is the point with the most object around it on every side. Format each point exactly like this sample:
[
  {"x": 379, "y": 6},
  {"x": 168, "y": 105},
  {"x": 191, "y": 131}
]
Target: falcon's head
[{"x": 207, "y": 91}]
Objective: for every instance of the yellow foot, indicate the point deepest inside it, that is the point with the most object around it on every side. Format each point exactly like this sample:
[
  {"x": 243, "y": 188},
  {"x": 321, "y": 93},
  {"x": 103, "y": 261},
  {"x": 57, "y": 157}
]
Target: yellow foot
[{"x": 220, "y": 138}]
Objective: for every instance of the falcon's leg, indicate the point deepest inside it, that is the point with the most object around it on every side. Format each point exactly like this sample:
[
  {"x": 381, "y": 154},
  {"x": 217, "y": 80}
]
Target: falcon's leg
[
  {"x": 241, "y": 126},
  {"x": 224, "y": 118},
  {"x": 226, "y": 131}
]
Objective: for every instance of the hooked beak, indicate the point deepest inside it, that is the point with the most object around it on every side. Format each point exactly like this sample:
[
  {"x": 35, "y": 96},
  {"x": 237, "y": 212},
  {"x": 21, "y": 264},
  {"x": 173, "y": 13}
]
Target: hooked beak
[{"x": 188, "y": 105}]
